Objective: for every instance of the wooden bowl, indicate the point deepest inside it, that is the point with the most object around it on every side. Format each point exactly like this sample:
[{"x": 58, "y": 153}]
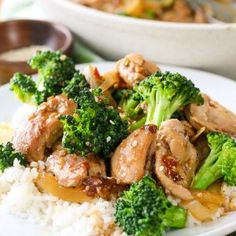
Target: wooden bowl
[{"x": 22, "y": 33}]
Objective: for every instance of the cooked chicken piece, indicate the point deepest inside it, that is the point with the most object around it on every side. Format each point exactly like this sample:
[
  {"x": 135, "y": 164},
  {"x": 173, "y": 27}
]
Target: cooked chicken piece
[
  {"x": 42, "y": 129},
  {"x": 212, "y": 116},
  {"x": 134, "y": 68},
  {"x": 73, "y": 169},
  {"x": 176, "y": 159},
  {"x": 191, "y": 132},
  {"x": 129, "y": 162}
]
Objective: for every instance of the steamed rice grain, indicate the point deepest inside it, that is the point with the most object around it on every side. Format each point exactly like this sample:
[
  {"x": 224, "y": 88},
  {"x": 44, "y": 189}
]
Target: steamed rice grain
[{"x": 19, "y": 196}]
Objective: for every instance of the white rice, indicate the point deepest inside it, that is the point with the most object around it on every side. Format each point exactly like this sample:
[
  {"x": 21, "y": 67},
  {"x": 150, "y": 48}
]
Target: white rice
[
  {"x": 19, "y": 196},
  {"x": 192, "y": 221},
  {"x": 229, "y": 193},
  {"x": 21, "y": 114}
]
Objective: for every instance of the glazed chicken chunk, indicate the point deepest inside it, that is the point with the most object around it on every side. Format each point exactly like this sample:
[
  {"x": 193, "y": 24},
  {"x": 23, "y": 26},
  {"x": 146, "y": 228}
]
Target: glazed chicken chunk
[
  {"x": 73, "y": 169},
  {"x": 176, "y": 159},
  {"x": 134, "y": 68},
  {"x": 212, "y": 116},
  {"x": 131, "y": 159},
  {"x": 42, "y": 129}
]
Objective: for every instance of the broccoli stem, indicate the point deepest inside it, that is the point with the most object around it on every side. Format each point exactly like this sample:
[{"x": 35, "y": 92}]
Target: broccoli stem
[
  {"x": 132, "y": 108},
  {"x": 204, "y": 174},
  {"x": 160, "y": 108},
  {"x": 175, "y": 217},
  {"x": 151, "y": 108},
  {"x": 208, "y": 176},
  {"x": 138, "y": 124}
]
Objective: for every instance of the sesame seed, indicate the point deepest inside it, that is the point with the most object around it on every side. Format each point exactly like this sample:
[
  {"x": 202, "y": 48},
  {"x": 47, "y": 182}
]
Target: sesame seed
[
  {"x": 161, "y": 168},
  {"x": 126, "y": 63},
  {"x": 108, "y": 139},
  {"x": 63, "y": 57},
  {"x": 134, "y": 143},
  {"x": 112, "y": 122}
]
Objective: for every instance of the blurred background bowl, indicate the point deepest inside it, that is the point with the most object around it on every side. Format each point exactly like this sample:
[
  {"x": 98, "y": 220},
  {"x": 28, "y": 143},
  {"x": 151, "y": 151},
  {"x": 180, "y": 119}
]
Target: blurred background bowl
[
  {"x": 210, "y": 47},
  {"x": 16, "y": 34}
]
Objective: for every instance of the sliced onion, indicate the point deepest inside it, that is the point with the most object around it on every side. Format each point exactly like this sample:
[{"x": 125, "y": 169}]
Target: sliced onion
[
  {"x": 205, "y": 203},
  {"x": 197, "y": 135},
  {"x": 93, "y": 77},
  {"x": 199, "y": 211},
  {"x": 206, "y": 197},
  {"x": 111, "y": 78},
  {"x": 47, "y": 183},
  {"x": 215, "y": 188}
]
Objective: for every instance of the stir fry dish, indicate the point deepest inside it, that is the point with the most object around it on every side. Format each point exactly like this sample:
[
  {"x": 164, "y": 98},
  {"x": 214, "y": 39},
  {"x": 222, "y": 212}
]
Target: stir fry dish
[
  {"x": 163, "y": 10},
  {"x": 145, "y": 140}
]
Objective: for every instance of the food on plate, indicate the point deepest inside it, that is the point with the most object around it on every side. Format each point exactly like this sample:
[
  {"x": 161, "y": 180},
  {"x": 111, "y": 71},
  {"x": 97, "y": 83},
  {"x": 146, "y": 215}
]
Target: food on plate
[
  {"x": 138, "y": 210},
  {"x": 163, "y": 94},
  {"x": 134, "y": 68},
  {"x": 54, "y": 72},
  {"x": 95, "y": 127},
  {"x": 207, "y": 115},
  {"x": 7, "y": 156},
  {"x": 72, "y": 169},
  {"x": 42, "y": 129},
  {"x": 176, "y": 161},
  {"x": 131, "y": 151},
  {"x": 219, "y": 163},
  {"x": 164, "y": 10},
  {"x": 129, "y": 162}
]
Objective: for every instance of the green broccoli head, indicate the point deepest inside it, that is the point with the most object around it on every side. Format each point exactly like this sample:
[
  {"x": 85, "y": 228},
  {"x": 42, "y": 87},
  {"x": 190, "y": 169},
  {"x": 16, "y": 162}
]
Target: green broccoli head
[
  {"x": 76, "y": 87},
  {"x": 229, "y": 164},
  {"x": 94, "y": 128},
  {"x": 144, "y": 210},
  {"x": 55, "y": 70},
  {"x": 165, "y": 93},
  {"x": 220, "y": 163},
  {"x": 8, "y": 155},
  {"x": 23, "y": 87},
  {"x": 129, "y": 102}
]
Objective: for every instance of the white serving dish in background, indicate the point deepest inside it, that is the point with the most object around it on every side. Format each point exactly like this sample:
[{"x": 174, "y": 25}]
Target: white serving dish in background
[{"x": 209, "y": 47}]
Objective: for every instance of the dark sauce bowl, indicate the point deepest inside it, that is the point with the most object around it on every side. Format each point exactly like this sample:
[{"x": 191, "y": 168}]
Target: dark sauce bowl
[{"x": 23, "y": 33}]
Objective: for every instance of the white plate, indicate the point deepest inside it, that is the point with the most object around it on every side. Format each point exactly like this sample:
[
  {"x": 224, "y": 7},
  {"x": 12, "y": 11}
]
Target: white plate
[
  {"x": 220, "y": 88},
  {"x": 209, "y": 47}
]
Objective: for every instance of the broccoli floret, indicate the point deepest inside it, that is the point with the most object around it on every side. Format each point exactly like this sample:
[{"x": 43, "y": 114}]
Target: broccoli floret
[
  {"x": 220, "y": 163},
  {"x": 94, "y": 128},
  {"x": 229, "y": 164},
  {"x": 166, "y": 93},
  {"x": 55, "y": 71},
  {"x": 144, "y": 210},
  {"x": 8, "y": 155},
  {"x": 129, "y": 102},
  {"x": 24, "y": 88},
  {"x": 76, "y": 87}
]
